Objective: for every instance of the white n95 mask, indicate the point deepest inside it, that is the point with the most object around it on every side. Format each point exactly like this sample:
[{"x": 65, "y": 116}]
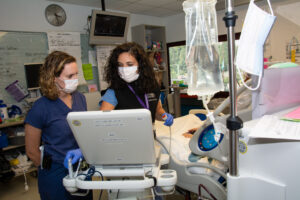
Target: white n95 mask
[
  {"x": 256, "y": 28},
  {"x": 128, "y": 74},
  {"x": 70, "y": 85}
]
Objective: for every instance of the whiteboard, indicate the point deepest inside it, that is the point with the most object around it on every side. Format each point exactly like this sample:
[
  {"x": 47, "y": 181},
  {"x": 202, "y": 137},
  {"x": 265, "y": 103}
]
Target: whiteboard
[{"x": 17, "y": 48}]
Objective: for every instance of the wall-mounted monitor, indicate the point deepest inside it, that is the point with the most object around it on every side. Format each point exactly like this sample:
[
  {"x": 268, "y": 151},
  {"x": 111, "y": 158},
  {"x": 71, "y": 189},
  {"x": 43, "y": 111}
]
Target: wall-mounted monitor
[
  {"x": 108, "y": 28},
  {"x": 32, "y": 74}
]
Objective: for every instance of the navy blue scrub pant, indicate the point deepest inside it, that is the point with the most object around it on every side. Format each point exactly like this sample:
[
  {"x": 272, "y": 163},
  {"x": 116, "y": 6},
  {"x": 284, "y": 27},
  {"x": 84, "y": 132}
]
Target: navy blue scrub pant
[{"x": 51, "y": 185}]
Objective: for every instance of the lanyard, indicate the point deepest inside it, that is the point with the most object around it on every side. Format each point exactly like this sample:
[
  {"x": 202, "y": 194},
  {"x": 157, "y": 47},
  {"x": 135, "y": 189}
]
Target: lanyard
[{"x": 139, "y": 99}]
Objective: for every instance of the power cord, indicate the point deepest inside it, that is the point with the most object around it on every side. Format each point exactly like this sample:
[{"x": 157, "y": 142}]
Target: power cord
[
  {"x": 170, "y": 142},
  {"x": 164, "y": 118},
  {"x": 211, "y": 117},
  {"x": 89, "y": 176}
]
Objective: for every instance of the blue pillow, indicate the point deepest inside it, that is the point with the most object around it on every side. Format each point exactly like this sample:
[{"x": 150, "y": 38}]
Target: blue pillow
[{"x": 201, "y": 116}]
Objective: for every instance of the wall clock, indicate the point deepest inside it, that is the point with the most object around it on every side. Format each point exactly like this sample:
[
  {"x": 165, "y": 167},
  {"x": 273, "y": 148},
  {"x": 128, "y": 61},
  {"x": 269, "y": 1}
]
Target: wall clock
[{"x": 55, "y": 15}]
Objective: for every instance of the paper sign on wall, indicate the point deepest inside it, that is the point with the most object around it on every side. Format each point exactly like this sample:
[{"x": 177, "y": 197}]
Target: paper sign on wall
[
  {"x": 87, "y": 71},
  {"x": 103, "y": 53},
  {"x": 68, "y": 42}
]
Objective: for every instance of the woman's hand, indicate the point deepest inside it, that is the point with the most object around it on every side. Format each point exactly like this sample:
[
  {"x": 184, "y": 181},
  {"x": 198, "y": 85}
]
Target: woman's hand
[
  {"x": 168, "y": 118},
  {"x": 75, "y": 155}
]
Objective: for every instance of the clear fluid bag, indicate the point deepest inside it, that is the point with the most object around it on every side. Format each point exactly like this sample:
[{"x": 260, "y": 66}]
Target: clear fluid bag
[{"x": 202, "y": 58}]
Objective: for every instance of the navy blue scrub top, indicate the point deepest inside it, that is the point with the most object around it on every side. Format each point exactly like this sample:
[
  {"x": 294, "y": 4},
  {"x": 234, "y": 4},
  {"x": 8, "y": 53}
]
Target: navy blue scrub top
[{"x": 50, "y": 116}]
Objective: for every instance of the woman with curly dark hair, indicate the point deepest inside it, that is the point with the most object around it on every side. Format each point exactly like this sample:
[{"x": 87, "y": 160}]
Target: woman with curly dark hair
[
  {"x": 132, "y": 82},
  {"x": 46, "y": 122}
]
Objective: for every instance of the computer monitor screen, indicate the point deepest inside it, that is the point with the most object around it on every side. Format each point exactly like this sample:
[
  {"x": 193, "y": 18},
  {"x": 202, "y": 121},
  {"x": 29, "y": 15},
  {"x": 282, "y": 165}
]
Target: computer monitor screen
[
  {"x": 32, "y": 73},
  {"x": 108, "y": 28},
  {"x": 109, "y": 25}
]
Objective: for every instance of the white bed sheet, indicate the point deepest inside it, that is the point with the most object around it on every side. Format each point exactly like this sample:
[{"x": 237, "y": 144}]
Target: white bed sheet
[{"x": 180, "y": 144}]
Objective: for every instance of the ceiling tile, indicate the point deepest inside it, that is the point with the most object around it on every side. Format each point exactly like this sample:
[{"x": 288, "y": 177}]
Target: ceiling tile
[
  {"x": 131, "y": 1},
  {"x": 146, "y": 7},
  {"x": 91, "y": 3},
  {"x": 159, "y": 12},
  {"x": 135, "y": 8},
  {"x": 169, "y": 13},
  {"x": 116, "y": 4},
  {"x": 175, "y": 6},
  {"x": 155, "y": 3}
]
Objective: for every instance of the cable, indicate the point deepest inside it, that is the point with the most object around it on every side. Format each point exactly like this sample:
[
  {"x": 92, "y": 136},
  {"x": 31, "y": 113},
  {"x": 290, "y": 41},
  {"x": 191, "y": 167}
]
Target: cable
[
  {"x": 118, "y": 194},
  {"x": 208, "y": 192},
  {"x": 100, "y": 195},
  {"x": 164, "y": 118},
  {"x": 163, "y": 146},
  {"x": 170, "y": 153},
  {"x": 252, "y": 89},
  {"x": 100, "y": 174},
  {"x": 211, "y": 117},
  {"x": 89, "y": 175}
]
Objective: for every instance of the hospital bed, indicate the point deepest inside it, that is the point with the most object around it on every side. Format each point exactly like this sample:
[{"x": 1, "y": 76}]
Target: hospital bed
[
  {"x": 193, "y": 171},
  {"x": 264, "y": 173},
  {"x": 268, "y": 159},
  {"x": 201, "y": 172},
  {"x": 198, "y": 171}
]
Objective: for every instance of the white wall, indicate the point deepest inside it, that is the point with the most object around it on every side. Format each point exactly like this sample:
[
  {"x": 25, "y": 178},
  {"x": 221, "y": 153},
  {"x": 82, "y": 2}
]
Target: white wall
[
  {"x": 175, "y": 25},
  {"x": 20, "y": 15},
  {"x": 281, "y": 33},
  {"x": 28, "y": 15},
  {"x": 143, "y": 19},
  {"x": 175, "y": 28}
]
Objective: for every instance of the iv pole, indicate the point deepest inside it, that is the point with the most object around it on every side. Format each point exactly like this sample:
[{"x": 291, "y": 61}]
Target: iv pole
[{"x": 233, "y": 123}]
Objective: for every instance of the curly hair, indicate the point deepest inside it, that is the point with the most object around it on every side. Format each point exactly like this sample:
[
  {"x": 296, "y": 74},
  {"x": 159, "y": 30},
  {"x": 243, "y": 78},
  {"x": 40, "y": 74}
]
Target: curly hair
[
  {"x": 53, "y": 66},
  {"x": 146, "y": 81}
]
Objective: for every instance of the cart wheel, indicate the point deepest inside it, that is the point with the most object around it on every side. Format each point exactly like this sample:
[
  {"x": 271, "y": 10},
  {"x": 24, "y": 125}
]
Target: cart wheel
[{"x": 34, "y": 174}]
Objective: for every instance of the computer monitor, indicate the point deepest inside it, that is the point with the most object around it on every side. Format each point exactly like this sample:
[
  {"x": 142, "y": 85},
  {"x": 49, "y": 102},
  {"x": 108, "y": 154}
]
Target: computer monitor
[
  {"x": 108, "y": 28},
  {"x": 32, "y": 74}
]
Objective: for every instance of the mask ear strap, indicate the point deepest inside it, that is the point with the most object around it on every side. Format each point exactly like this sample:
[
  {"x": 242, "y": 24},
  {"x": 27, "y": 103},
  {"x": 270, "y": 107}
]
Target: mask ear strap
[
  {"x": 269, "y": 3},
  {"x": 252, "y": 89}
]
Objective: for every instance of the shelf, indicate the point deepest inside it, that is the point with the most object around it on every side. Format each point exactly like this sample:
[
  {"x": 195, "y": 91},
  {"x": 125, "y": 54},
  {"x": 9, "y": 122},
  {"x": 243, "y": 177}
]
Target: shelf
[
  {"x": 146, "y": 36},
  {"x": 12, "y": 147},
  {"x": 31, "y": 169},
  {"x": 164, "y": 90},
  {"x": 8, "y": 124},
  {"x": 31, "y": 100},
  {"x": 154, "y": 50}
]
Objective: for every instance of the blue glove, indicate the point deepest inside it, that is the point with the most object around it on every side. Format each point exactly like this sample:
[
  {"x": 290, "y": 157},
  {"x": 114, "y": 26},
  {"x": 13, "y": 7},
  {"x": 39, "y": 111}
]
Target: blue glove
[
  {"x": 168, "y": 118},
  {"x": 75, "y": 154}
]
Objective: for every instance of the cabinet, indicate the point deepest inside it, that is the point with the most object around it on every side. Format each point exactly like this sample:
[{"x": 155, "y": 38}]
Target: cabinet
[
  {"x": 15, "y": 150},
  {"x": 153, "y": 39},
  {"x": 9, "y": 128}
]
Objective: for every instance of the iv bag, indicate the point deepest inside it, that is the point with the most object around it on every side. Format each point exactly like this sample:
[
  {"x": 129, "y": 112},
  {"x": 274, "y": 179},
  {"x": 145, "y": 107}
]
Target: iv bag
[{"x": 202, "y": 59}]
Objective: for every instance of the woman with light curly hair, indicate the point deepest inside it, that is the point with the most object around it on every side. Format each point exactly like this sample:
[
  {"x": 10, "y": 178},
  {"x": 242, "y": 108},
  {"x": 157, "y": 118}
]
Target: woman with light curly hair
[{"x": 46, "y": 124}]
